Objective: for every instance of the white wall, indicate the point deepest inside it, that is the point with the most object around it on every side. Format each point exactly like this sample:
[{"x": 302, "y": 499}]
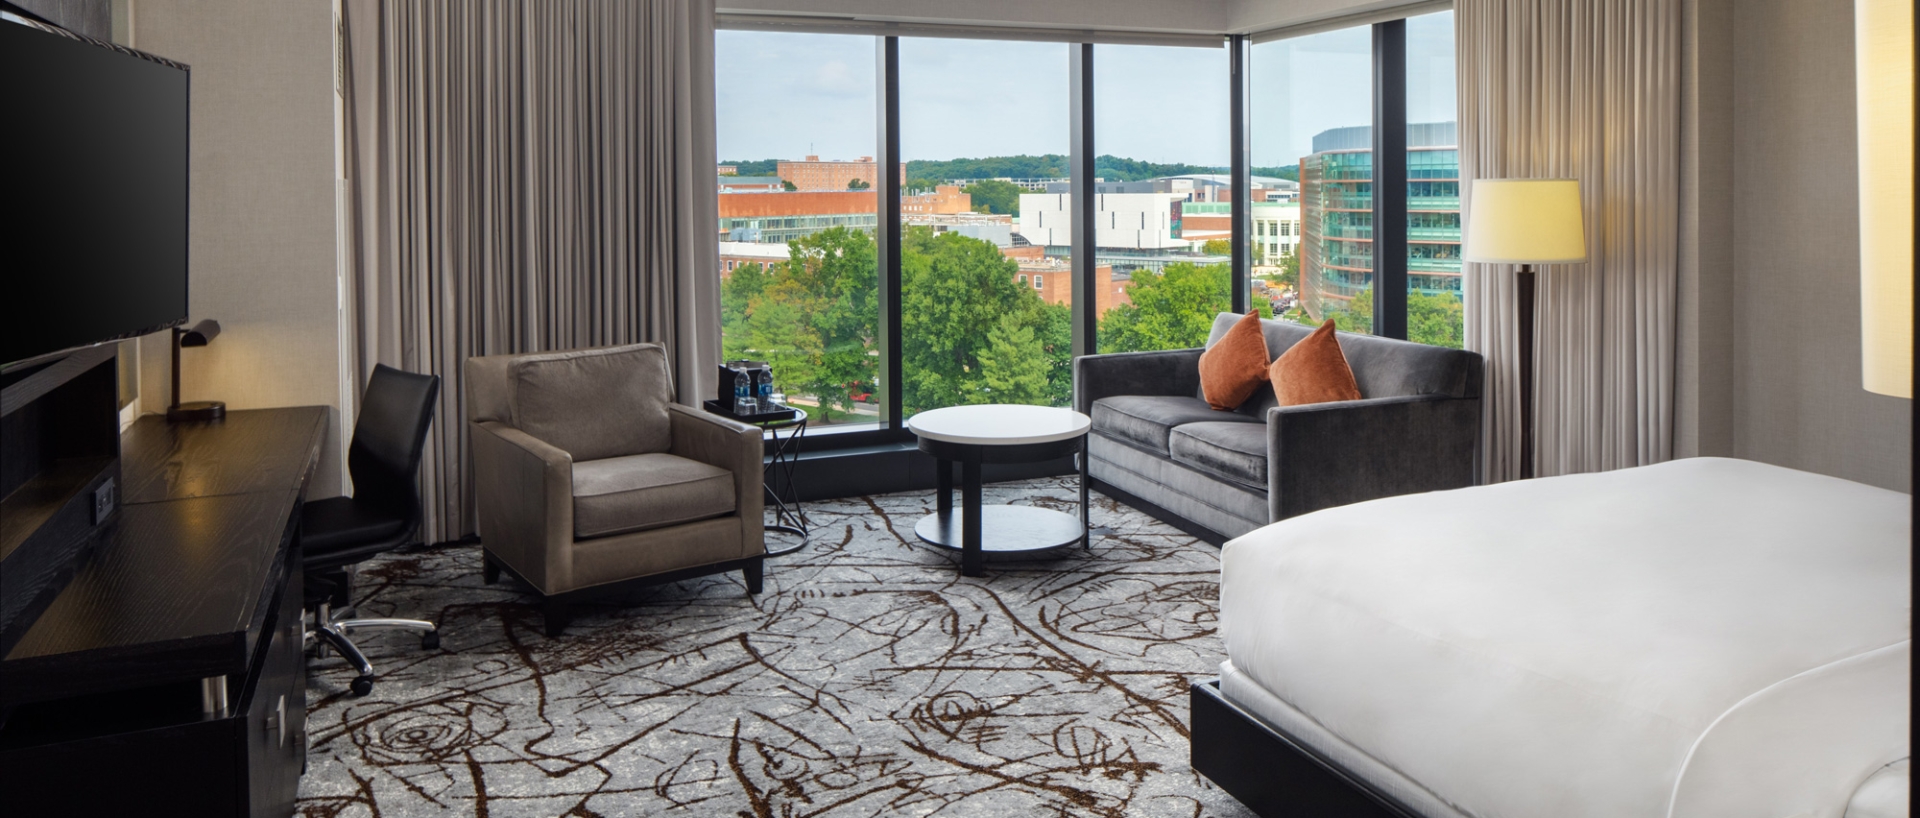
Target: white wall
[{"x": 261, "y": 248}]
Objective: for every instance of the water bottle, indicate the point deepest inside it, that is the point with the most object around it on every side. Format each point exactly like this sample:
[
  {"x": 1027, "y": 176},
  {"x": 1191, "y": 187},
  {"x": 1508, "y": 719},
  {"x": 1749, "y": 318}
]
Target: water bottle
[
  {"x": 742, "y": 393},
  {"x": 765, "y": 379}
]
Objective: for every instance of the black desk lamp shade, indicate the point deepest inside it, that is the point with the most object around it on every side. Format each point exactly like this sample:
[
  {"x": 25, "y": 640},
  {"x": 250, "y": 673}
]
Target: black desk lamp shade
[{"x": 198, "y": 336}]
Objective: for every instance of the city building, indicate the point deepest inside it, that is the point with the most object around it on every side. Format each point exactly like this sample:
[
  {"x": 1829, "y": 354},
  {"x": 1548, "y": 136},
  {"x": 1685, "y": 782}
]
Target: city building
[
  {"x": 1037, "y": 185},
  {"x": 988, "y": 227},
  {"x": 813, "y": 174},
  {"x": 778, "y": 218},
  {"x": 1336, "y": 194},
  {"x": 750, "y": 184},
  {"x": 1052, "y": 280},
  {"x": 942, "y": 199},
  {"x": 736, "y": 254},
  {"x": 1276, "y": 226},
  {"x": 728, "y": 170},
  {"x": 1133, "y": 231}
]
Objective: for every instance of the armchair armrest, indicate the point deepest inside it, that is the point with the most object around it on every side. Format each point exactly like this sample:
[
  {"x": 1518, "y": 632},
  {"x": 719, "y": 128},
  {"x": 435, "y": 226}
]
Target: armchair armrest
[
  {"x": 736, "y": 447},
  {"x": 1168, "y": 372},
  {"x": 1323, "y": 455},
  {"x": 524, "y": 489}
]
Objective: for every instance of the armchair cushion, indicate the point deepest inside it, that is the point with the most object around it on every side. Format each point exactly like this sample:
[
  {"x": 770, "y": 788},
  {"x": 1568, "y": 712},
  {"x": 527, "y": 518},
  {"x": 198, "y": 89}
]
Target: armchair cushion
[
  {"x": 594, "y": 403},
  {"x": 1146, "y": 421},
  {"x": 616, "y": 495},
  {"x": 1231, "y": 451}
]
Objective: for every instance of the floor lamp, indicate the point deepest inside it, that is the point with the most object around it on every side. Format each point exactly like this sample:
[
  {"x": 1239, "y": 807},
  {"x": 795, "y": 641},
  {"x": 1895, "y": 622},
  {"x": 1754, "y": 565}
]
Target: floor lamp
[{"x": 1525, "y": 222}]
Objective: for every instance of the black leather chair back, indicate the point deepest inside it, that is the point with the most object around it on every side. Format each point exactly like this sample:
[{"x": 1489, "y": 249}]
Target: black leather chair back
[{"x": 389, "y": 437}]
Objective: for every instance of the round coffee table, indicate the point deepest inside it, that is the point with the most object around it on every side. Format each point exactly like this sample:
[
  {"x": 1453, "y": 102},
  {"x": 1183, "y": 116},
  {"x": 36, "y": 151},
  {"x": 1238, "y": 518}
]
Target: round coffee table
[{"x": 999, "y": 433}]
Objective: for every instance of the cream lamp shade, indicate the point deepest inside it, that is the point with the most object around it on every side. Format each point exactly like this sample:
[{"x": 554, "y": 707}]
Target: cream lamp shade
[
  {"x": 1525, "y": 221},
  {"x": 1884, "y": 67}
]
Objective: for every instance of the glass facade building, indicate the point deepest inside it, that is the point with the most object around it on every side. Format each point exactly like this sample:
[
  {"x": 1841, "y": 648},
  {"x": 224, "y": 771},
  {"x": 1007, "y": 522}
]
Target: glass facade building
[{"x": 1336, "y": 215}]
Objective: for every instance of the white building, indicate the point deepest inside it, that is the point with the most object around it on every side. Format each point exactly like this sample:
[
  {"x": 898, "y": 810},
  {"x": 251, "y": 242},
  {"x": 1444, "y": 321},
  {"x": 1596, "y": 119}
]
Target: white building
[{"x": 1129, "y": 221}]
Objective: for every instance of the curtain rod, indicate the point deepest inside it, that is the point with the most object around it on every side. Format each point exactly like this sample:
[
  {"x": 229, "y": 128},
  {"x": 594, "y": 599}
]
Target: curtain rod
[{"x": 812, "y": 24}]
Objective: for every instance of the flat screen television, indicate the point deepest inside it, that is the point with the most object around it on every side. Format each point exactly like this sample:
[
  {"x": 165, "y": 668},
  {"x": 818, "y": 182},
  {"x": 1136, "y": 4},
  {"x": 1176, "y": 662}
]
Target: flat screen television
[{"x": 94, "y": 152}]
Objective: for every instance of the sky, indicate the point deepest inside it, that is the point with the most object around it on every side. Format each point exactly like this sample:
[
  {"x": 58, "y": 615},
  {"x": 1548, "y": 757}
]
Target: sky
[{"x": 783, "y": 95}]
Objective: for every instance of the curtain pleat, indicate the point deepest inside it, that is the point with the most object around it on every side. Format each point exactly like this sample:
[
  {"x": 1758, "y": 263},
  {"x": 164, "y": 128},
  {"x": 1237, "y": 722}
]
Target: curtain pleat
[
  {"x": 1587, "y": 90},
  {"x": 527, "y": 175}
]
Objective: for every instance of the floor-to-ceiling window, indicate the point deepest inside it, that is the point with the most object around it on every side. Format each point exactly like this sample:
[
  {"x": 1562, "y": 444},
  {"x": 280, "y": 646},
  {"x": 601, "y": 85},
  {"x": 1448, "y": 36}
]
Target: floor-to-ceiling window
[
  {"x": 1312, "y": 115},
  {"x": 1434, "y": 306},
  {"x": 1163, "y": 207},
  {"x": 1314, "y": 99},
  {"x": 799, "y": 288},
  {"x": 898, "y": 214},
  {"x": 986, "y": 248}
]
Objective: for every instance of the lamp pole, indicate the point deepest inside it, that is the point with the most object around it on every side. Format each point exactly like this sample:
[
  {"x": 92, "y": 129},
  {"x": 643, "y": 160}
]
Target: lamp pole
[{"x": 1526, "y": 370}]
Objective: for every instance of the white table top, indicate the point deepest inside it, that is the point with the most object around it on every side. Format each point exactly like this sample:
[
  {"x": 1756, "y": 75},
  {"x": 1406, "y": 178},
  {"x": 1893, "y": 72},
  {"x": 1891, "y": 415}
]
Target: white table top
[{"x": 999, "y": 424}]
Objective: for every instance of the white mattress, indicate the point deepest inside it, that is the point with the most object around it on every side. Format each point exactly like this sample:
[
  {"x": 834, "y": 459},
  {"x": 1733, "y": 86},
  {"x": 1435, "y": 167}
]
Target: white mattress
[{"x": 1567, "y": 646}]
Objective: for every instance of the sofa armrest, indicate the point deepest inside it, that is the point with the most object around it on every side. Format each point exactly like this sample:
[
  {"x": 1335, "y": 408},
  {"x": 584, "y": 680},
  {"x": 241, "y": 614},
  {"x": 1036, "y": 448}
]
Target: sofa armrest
[
  {"x": 1168, "y": 372},
  {"x": 1323, "y": 455},
  {"x": 524, "y": 489},
  {"x": 736, "y": 447}
]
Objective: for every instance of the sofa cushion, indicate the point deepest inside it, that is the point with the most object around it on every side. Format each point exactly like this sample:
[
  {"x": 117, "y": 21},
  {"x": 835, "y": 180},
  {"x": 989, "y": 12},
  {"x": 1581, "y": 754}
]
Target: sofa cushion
[
  {"x": 636, "y": 492},
  {"x": 1382, "y": 367},
  {"x": 1147, "y": 420},
  {"x": 1232, "y": 369},
  {"x": 1233, "y": 451},
  {"x": 594, "y": 403},
  {"x": 1314, "y": 371}
]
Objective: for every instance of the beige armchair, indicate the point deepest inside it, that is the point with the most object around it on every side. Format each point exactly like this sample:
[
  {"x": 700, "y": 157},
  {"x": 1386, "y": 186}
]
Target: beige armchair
[{"x": 590, "y": 479}]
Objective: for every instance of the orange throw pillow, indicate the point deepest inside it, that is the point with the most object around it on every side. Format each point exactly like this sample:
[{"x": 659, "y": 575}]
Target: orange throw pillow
[
  {"x": 1235, "y": 367},
  {"x": 1313, "y": 371}
]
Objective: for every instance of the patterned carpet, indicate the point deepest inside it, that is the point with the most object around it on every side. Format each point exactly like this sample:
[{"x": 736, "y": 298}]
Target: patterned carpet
[{"x": 870, "y": 679}]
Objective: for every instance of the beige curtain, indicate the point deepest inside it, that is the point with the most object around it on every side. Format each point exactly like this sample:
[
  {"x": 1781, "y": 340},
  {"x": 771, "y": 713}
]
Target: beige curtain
[
  {"x": 1588, "y": 90},
  {"x": 527, "y": 175}
]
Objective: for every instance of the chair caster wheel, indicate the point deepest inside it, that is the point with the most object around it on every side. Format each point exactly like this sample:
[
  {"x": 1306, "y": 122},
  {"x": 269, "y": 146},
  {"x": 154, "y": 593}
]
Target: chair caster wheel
[
  {"x": 362, "y": 685},
  {"x": 431, "y": 641}
]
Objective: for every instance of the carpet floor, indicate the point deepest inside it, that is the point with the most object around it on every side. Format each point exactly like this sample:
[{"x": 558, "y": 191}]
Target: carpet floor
[{"x": 869, "y": 679}]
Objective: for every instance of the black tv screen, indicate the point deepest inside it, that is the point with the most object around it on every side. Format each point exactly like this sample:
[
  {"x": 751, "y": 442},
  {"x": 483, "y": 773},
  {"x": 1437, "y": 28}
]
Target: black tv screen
[{"x": 95, "y": 158}]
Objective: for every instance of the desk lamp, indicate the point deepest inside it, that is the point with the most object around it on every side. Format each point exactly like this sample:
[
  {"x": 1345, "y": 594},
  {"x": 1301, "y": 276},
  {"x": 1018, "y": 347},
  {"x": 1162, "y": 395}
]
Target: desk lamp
[{"x": 201, "y": 333}]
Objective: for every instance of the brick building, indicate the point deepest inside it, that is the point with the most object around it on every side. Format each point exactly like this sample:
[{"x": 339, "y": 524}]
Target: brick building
[{"x": 813, "y": 174}]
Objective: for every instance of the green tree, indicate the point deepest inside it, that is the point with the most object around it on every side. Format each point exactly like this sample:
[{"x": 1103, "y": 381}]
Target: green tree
[
  {"x": 969, "y": 332},
  {"x": 814, "y": 317},
  {"x": 1171, "y": 309},
  {"x": 858, "y": 184},
  {"x": 1013, "y": 366},
  {"x": 1289, "y": 276},
  {"x": 788, "y": 186},
  {"x": 1431, "y": 319},
  {"x": 1217, "y": 247},
  {"x": 995, "y": 196}
]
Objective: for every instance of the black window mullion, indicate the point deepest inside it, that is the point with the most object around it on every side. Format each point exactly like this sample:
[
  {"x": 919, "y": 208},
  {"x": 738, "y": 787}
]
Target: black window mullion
[
  {"x": 1390, "y": 179},
  {"x": 1086, "y": 315},
  {"x": 1241, "y": 224},
  {"x": 887, "y": 232}
]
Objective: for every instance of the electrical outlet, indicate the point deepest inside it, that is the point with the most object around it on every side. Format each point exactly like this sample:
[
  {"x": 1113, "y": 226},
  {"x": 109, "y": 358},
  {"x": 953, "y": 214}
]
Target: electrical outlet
[{"x": 103, "y": 499}]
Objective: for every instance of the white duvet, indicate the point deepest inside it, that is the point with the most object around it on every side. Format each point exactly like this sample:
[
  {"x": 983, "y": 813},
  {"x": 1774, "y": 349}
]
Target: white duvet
[{"x": 1705, "y": 637}]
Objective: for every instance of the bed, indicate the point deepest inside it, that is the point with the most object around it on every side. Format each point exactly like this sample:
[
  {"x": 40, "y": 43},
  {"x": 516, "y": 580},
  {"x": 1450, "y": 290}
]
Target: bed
[{"x": 1704, "y": 637}]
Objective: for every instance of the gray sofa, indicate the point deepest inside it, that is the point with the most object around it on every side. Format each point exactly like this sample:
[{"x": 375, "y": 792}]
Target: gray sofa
[{"x": 1157, "y": 445}]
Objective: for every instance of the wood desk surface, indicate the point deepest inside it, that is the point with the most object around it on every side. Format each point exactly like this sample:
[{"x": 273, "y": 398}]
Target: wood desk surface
[{"x": 177, "y": 587}]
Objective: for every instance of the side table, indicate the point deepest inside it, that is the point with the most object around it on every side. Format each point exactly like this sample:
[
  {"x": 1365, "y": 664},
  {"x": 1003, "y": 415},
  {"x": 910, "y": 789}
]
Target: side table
[{"x": 788, "y": 515}]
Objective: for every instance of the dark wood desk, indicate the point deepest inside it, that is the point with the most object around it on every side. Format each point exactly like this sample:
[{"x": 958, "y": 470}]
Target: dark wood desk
[{"x": 173, "y": 655}]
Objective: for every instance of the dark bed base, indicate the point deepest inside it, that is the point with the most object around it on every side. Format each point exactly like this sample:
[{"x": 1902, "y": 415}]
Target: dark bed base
[
  {"x": 1271, "y": 772},
  {"x": 558, "y": 609}
]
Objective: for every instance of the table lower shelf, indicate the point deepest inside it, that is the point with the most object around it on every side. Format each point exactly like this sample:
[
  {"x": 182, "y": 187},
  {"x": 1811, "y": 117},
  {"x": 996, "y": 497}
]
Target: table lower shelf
[{"x": 1006, "y": 532}]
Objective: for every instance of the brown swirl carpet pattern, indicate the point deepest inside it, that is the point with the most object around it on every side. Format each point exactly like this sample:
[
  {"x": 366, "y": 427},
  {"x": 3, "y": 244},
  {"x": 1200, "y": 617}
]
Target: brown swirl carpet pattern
[{"x": 870, "y": 679}]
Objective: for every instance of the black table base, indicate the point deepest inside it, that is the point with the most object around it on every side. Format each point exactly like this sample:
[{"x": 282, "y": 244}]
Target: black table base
[{"x": 999, "y": 533}]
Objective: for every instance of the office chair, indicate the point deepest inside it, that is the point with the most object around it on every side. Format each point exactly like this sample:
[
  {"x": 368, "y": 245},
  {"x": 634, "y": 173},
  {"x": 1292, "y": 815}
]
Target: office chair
[{"x": 383, "y": 513}]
